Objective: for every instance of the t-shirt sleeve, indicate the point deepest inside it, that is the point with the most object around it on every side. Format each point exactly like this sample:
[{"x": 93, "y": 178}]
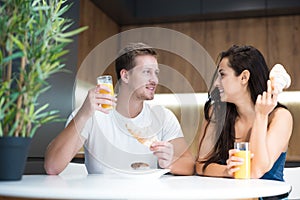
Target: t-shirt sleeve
[
  {"x": 171, "y": 126},
  {"x": 71, "y": 116},
  {"x": 85, "y": 131}
]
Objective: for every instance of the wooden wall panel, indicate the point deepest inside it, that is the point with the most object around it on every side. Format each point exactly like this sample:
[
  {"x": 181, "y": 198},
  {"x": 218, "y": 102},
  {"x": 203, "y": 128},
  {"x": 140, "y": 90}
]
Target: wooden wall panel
[
  {"x": 220, "y": 35},
  {"x": 278, "y": 38},
  {"x": 178, "y": 62},
  {"x": 284, "y": 45},
  {"x": 100, "y": 28}
]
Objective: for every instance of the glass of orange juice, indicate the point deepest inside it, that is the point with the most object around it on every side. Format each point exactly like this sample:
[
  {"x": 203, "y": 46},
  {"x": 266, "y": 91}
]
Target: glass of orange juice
[
  {"x": 244, "y": 152},
  {"x": 106, "y": 80}
]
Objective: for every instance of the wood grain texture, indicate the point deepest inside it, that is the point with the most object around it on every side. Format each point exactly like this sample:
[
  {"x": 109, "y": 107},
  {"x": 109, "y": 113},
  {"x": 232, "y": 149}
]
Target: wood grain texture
[
  {"x": 278, "y": 39},
  {"x": 284, "y": 45},
  {"x": 100, "y": 28}
]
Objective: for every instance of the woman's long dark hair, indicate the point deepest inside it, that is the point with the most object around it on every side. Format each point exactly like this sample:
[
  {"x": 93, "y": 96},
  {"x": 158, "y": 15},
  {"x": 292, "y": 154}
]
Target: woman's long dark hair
[{"x": 224, "y": 114}]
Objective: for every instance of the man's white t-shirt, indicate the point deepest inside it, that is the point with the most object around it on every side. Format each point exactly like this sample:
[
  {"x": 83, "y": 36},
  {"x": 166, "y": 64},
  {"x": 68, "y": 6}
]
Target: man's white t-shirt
[{"x": 109, "y": 146}]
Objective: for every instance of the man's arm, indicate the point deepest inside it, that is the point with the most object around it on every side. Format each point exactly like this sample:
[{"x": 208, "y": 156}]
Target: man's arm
[
  {"x": 64, "y": 147},
  {"x": 174, "y": 155}
]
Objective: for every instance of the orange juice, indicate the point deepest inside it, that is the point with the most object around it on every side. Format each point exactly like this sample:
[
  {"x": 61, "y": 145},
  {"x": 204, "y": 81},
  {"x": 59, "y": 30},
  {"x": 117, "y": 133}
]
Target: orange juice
[
  {"x": 245, "y": 169},
  {"x": 105, "y": 92}
]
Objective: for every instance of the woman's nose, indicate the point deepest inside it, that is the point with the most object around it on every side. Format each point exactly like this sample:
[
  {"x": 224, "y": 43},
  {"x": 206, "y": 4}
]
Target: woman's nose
[{"x": 217, "y": 81}]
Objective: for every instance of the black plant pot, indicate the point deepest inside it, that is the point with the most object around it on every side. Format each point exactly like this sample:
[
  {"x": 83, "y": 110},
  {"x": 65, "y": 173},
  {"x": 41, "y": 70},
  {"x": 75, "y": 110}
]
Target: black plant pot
[{"x": 13, "y": 156}]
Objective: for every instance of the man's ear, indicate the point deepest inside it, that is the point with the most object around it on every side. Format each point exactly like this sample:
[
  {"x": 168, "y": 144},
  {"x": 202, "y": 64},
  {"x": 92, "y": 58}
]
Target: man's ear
[
  {"x": 124, "y": 75},
  {"x": 245, "y": 75}
]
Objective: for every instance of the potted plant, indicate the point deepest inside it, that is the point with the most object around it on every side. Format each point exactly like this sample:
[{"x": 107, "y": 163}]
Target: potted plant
[{"x": 33, "y": 37}]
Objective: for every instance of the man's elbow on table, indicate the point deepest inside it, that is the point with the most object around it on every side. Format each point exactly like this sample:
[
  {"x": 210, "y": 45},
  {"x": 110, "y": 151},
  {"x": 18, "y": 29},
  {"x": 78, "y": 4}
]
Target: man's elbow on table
[
  {"x": 52, "y": 168},
  {"x": 183, "y": 167},
  {"x": 199, "y": 168}
]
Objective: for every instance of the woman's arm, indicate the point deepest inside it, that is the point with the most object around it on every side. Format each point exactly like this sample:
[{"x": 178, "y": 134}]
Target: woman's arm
[
  {"x": 205, "y": 148},
  {"x": 213, "y": 169},
  {"x": 270, "y": 133},
  {"x": 267, "y": 142}
]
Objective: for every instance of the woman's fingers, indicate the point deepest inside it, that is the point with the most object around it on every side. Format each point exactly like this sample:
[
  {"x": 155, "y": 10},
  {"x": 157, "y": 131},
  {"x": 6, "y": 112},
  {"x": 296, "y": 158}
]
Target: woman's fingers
[
  {"x": 266, "y": 101},
  {"x": 233, "y": 162}
]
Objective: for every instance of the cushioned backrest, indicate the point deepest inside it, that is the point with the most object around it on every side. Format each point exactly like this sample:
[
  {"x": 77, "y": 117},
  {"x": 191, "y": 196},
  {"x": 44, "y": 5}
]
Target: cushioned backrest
[
  {"x": 292, "y": 176},
  {"x": 186, "y": 103}
]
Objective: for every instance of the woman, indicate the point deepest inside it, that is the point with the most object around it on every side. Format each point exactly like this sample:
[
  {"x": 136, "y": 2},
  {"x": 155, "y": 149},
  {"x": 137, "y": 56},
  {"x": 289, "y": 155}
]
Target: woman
[{"x": 243, "y": 107}]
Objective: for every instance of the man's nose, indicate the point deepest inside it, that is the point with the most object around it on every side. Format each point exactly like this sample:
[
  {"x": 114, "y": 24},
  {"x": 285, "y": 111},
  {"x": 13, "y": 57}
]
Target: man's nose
[{"x": 154, "y": 78}]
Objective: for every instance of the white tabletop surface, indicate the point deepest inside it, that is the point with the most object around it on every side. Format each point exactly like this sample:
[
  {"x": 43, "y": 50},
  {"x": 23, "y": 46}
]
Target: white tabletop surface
[{"x": 116, "y": 187}]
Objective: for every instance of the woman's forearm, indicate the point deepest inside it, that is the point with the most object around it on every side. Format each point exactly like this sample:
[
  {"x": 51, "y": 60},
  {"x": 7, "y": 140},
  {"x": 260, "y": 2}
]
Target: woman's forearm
[{"x": 260, "y": 162}]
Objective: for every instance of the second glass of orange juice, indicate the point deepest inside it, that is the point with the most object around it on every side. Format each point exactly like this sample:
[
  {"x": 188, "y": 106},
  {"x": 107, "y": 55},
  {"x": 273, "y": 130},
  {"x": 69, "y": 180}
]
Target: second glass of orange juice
[
  {"x": 245, "y": 170},
  {"x": 106, "y": 80}
]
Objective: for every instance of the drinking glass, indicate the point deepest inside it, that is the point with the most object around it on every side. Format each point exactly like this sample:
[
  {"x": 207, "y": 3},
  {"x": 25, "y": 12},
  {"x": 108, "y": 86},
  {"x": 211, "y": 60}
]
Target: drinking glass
[
  {"x": 106, "y": 80},
  {"x": 244, "y": 152}
]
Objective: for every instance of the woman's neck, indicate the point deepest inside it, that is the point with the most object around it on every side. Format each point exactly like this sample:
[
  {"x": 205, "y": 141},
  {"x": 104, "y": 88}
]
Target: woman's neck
[
  {"x": 245, "y": 107},
  {"x": 246, "y": 112},
  {"x": 244, "y": 120}
]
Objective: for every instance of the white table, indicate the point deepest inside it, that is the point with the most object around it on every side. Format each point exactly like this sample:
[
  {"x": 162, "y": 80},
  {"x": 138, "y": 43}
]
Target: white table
[{"x": 116, "y": 187}]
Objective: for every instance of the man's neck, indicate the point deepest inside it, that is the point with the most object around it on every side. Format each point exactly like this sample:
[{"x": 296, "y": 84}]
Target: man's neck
[{"x": 129, "y": 107}]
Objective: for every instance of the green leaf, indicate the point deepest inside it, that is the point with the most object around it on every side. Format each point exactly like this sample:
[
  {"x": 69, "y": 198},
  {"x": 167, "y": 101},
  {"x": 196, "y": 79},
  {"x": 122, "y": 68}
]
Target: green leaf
[
  {"x": 1, "y": 57},
  {"x": 11, "y": 100},
  {"x": 66, "y": 26},
  {"x": 13, "y": 56},
  {"x": 13, "y": 129},
  {"x": 31, "y": 110},
  {"x": 74, "y": 32},
  {"x": 1, "y": 132},
  {"x": 60, "y": 12},
  {"x": 59, "y": 54},
  {"x": 41, "y": 109},
  {"x": 33, "y": 130},
  {"x": 44, "y": 115},
  {"x": 49, "y": 119},
  {"x": 34, "y": 3},
  {"x": 37, "y": 30},
  {"x": 41, "y": 8},
  {"x": 61, "y": 39},
  {"x": 17, "y": 42}
]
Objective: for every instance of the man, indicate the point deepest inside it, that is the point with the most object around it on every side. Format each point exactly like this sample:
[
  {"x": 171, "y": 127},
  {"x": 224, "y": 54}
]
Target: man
[{"x": 109, "y": 137}]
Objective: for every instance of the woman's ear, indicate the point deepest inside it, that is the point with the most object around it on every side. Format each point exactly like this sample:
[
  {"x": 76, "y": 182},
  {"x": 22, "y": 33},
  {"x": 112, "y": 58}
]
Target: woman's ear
[
  {"x": 245, "y": 75},
  {"x": 124, "y": 75}
]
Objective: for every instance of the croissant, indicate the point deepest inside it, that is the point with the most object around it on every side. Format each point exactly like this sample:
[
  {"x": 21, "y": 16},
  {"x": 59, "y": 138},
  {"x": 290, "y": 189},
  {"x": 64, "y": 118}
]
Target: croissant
[
  {"x": 143, "y": 135},
  {"x": 279, "y": 77}
]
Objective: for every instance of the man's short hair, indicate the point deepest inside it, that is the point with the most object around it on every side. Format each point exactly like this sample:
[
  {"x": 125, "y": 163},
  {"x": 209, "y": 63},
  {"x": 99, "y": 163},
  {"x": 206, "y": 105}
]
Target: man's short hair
[{"x": 127, "y": 55}]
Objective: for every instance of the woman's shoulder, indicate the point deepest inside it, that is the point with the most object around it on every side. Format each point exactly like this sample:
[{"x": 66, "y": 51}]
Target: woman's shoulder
[{"x": 281, "y": 113}]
